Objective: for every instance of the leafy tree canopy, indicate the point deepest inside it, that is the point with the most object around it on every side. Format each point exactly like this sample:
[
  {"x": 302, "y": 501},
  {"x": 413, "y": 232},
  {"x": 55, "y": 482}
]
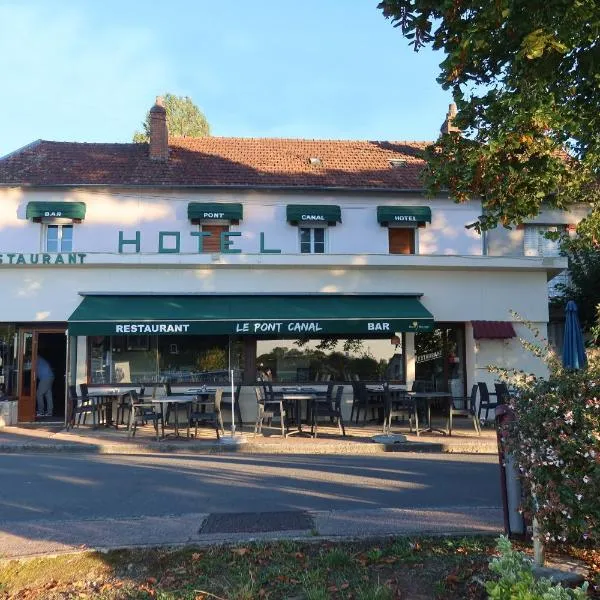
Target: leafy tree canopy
[
  {"x": 184, "y": 119},
  {"x": 525, "y": 76}
]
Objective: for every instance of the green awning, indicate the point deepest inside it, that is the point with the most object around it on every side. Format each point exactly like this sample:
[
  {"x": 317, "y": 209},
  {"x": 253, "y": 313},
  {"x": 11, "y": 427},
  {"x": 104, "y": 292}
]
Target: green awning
[
  {"x": 215, "y": 211},
  {"x": 403, "y": 214},
  {"x": 282, "y": 316},
  {"x": 314, "y": 213},
  {"x": 56, "y": 210}
]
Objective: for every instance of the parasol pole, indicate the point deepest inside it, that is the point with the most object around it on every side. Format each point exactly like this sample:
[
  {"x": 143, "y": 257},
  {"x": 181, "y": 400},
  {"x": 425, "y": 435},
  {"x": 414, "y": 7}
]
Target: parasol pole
[{"x": 232, "y": 407}]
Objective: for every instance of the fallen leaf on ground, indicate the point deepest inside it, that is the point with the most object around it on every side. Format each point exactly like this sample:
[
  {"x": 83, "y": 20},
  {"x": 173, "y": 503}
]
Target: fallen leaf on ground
[{"x": 241, "y": 551}]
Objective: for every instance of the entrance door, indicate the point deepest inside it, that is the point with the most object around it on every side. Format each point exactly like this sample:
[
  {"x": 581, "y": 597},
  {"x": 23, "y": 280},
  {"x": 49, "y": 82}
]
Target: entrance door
[
  {"x": 26, "y": 382},
  {"x": 51, "y": 344}
]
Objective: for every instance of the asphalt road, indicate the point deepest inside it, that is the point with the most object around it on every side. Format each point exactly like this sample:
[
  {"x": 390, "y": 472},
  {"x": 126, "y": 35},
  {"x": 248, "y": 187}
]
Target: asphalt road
[{"x": 55, "y": 500}]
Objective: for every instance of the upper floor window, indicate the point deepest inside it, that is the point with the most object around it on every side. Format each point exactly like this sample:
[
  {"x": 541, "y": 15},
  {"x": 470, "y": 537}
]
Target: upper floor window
[
  {"x": 59, "y": 238},
  {"x": 312, "y": 240},
  {"x": 402, "y": 240},
  {"x": 537, "y": 244}
]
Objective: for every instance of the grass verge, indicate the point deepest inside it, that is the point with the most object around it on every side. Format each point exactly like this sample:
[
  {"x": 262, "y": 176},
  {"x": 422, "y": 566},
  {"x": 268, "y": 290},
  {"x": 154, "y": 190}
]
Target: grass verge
[{"x": 416, "y": 568}]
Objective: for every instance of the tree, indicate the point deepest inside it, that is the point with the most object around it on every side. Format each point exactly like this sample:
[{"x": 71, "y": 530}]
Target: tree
[
  {"x": 184, "y": 119},
  {"x": 525, "y": 77}
]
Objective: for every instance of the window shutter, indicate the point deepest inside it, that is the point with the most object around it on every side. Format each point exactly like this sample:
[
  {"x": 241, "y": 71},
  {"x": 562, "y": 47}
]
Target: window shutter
[
  {"x": 212, "y": 243},
  {"x": 402, "y": 240}
]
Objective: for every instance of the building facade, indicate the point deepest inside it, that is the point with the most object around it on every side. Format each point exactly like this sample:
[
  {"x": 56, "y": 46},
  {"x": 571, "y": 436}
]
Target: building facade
[{"x": 311, "y": 260}]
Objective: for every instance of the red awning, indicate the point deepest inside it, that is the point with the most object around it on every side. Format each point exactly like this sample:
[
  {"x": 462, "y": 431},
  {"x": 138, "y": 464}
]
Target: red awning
[{"x": 493, "y": 330}]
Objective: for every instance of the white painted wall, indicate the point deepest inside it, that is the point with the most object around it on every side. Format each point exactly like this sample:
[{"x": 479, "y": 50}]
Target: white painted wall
[
  {"x": 151, "y": 211},
  {"x": 51, "y": 294}
]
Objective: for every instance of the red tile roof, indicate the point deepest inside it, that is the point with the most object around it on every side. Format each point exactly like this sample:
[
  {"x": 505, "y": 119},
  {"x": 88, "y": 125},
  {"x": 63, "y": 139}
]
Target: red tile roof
[
  {"x": 217, "y": 161},
  {"x": 493, "y": 330}
]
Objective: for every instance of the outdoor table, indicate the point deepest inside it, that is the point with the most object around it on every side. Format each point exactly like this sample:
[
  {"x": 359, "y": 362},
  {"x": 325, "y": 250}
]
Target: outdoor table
[
  {"x": 106, "y": 397},
  {"x": 426, "y": 398},
  {"x": 296, "y": 395},
  {"x": 185, "y": 400}
]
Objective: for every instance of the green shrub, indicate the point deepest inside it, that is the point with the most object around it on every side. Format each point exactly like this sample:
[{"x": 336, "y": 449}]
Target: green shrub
[{"x": 517, "y": 582}]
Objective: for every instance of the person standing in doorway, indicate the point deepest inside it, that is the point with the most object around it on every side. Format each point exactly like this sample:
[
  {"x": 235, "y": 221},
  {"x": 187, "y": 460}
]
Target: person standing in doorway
[{"x": 45, "y": 377}]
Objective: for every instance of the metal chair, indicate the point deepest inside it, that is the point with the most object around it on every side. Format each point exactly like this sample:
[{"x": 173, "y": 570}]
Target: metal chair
[
  {"x": 199, "y": 414},
  {"x": 365, "y": 400},
  {"x": 269, "y": 409},
  {"x": 328, "y": 407}
]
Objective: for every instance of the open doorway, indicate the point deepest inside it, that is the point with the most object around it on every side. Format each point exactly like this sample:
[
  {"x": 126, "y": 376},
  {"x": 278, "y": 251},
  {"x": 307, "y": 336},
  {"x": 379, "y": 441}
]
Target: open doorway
[{"x": 52, "y": 347}]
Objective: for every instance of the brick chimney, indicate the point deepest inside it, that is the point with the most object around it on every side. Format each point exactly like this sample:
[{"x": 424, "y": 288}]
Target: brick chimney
[
  {"x": 447, "y": 126},
  {"x": 159, "y": 134}
]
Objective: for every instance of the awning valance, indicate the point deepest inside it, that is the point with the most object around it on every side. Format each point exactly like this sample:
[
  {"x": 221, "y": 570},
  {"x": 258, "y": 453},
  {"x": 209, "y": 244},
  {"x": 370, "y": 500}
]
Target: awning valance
[
  {"x": 56, "y": 210},
  {"x": 215, "y": 211},
  {"x": 493, "y": 330},
  {"x": 283, "y": 315},
  {"x": 403, "y": 214},
  {"x": 314, "y": 213}
]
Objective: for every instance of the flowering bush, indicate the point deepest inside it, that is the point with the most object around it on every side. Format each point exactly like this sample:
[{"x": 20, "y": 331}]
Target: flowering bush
[
  {"x": 555, "y": 440},
  {"x": 517, "y": 582}
]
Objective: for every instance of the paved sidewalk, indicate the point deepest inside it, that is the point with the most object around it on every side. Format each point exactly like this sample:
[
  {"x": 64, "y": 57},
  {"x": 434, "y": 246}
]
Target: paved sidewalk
[
  {"x": 359, "y": 440},
  {"x": 27, "y": 539}
]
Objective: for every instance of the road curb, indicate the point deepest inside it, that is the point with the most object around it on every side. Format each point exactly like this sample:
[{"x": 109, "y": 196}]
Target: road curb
[{"x": 246, "y": 448}]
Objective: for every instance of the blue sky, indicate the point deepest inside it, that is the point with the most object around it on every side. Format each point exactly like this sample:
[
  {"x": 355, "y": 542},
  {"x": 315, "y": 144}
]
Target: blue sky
[{"x": 88, "y": 70}]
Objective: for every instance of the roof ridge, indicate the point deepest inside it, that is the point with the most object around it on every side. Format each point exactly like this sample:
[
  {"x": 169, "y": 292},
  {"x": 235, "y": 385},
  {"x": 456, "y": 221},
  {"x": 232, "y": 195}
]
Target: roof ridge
[{"x": 22, "y": 149}]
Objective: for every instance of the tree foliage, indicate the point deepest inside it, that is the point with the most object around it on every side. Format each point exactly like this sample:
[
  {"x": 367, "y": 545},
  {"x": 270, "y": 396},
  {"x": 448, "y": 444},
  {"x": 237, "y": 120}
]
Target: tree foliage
[
  {"x": 525, "y": 76},
  {"x": 184, "y": 119}
]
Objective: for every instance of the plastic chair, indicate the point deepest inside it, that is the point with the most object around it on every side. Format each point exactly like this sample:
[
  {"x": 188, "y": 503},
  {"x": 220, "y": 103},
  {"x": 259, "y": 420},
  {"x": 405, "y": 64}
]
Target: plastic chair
[
  {"x": 396, "y": 405},
  {"x": 143, "y": 412},
  {"x": 473, "y": 409},
  {"x": 328, "y": 407},
  {"x": 199, "y": 414},
  {"x": 484, "y": 401},
  {"x": 79, "y": 406}
]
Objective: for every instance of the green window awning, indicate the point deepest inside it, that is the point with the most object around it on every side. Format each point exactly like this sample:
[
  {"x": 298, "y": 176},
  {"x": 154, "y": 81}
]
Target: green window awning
[
  {"x": 56, "y": 210},
  {"x": 283, "y": 316},
  {"x": 215, "y": 211},
  {"x": 313, "y": 213},
  {"x": 403, "y": 214}
]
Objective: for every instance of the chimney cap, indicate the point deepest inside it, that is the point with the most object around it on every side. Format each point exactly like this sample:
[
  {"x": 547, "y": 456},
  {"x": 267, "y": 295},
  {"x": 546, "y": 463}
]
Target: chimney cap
[{"x": 159, "y": 105}]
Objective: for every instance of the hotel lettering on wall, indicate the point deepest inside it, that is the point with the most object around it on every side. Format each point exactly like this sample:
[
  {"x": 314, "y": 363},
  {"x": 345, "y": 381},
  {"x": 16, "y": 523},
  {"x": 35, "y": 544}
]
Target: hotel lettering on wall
[{"x": 169, "y": 242}]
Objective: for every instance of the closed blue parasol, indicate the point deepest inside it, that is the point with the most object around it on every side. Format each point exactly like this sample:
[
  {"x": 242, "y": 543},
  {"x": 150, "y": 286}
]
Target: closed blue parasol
[{"x": 573, "y": 350}]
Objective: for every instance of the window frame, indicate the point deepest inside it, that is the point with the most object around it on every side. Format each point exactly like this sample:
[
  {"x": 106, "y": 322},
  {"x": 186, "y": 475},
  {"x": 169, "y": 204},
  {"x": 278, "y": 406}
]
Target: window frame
[
  {"x": 539, "y": 230},
  {"x": 312, "y": 227},
  {"x": 59, "y": 239},
  {"x": 415, "y": 229}
]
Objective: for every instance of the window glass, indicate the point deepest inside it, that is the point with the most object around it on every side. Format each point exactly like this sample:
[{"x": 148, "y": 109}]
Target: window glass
[
  {"x": 8, "y": 366},
  {"x": 319, "y": 238},
  {"x": 151, "y": 358},
  {"x": 440, "y": 361},
  {"x": 536, "y": 244},
  {"x": 52, "y": 238},
  {"x": 190, "y": 358},
  {"x": 297, "y": 361},
  {"x": 66, "y": 238},
  {"x": 305, "y": 240}
]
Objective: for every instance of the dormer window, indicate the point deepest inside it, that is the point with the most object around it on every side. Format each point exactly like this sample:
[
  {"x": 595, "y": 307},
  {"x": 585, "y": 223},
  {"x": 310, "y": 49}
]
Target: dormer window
[{"x": 315, "y": 161}]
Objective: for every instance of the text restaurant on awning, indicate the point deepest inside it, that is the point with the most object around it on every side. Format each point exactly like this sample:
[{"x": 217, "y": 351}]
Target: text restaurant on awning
[{"x": 269, "y": 314}]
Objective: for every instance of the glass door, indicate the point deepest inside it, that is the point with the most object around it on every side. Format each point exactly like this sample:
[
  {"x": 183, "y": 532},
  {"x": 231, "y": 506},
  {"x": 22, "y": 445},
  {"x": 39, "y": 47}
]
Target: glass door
[{"x": 26, "y": 383}]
